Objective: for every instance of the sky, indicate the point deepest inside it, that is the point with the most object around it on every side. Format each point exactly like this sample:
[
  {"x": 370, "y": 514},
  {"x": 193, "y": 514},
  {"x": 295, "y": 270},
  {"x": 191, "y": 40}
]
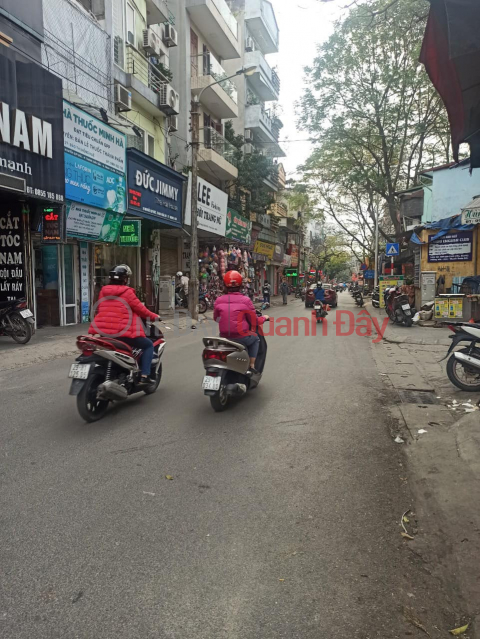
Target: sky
[{"x": 303, "y": 24}]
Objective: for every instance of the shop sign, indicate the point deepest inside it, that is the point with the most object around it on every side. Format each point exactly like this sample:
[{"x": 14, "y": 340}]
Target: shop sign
[
  {"x": 471, "y": 216},
  {"x": 453, "y": 247},
  {"x": 53, "y": 225},
  {"x": 417, "y": 256},
  {"x": 259, "y": 257},
  {"x": 87, "y": 223},
  {"x": 130, "y": 233},
  {"x": 154, "y": 190},
  {"x": 264, "y": 248},
  {"x": 95, "y": 161},
  {"x": 84, "y": 280},
  {"x": 264, "y": 220},
  {"x": 287, "y": 260},
  {"x": 294, "y": 255},
  {"x": 12, "y": 258},
  {"x": 238, "y": 228},
  {"x": 279, "y": 253},
  {"x": 441, "y": 307},
  {"x": 31, "y": 128}
]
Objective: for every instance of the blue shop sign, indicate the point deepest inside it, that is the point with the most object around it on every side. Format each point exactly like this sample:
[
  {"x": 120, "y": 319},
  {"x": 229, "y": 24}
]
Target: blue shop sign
[
  {"x": 92, "y": 184},
  {"x": 154, "y": 190}
]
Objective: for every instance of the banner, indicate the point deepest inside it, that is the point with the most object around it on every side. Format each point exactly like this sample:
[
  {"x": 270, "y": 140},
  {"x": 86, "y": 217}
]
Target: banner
[
  {"x": 453, "y": 247},
  {"x": 264, "y": 248},
  {"x": 294, "y": 255},
  {"x": 130, "y": 233},
  {"x": 12, "y": 256},
  {"x": 87, "y": 223},
  {"x": 211, "y": 207},
  {"x": 238, "y": 228}
]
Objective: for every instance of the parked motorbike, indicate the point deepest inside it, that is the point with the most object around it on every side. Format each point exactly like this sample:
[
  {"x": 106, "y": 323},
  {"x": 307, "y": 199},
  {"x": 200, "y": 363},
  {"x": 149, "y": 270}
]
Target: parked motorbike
[
  {"x": 227, "y": 373},
  {"x": 204, "y": 302},
  {"x": 463, "y": 367},
  {"x": 108, "y": 370},
  {"x": 357, "y": 296},
  {"x": 319, "y": 311},
  {"x": 397, "y": 306},
  {"x": 17, "y": 321},
  {"x": 376, "y": 297}
]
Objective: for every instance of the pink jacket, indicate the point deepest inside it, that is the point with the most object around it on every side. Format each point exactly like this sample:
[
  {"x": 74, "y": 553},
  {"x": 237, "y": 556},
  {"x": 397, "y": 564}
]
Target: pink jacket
[{"x": 236, "y": 315}]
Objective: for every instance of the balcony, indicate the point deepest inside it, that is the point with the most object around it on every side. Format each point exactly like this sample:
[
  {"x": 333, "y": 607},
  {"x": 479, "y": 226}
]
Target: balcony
[
  {"x": 265, "y": 80},
  {"x": 265, "y": 129},
  {"x": 217, "y": 24},
  {"x": 272, "y": 181},
  {"x": 279, "y": 210},
  {"x": 220, "y": 99},
  {"x": 217, "y": 157},
  {"x": 262, "y": 24},
  {"x": 144, "y": 79},
  {"x": 157, "y": 12}
]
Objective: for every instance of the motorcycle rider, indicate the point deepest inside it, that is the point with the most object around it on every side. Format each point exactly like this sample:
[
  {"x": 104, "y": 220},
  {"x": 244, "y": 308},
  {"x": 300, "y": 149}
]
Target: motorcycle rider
[
  {"x": 118, "y": 315},
  {"x": 236, "y": 316},
  {"x": 319, "y": 292},
  {"x": 183, "y": 282}
]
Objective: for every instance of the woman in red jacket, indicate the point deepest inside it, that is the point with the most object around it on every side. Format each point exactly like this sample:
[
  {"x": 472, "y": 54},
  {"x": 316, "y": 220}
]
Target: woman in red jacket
[{"x": 119, "y": 315}]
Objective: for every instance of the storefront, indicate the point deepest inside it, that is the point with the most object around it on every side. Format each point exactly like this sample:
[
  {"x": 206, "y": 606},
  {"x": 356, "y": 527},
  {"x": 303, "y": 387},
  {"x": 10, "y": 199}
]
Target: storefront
[
  {"x": 155, "y": 196},
  {"x": 32, "y": 187}
]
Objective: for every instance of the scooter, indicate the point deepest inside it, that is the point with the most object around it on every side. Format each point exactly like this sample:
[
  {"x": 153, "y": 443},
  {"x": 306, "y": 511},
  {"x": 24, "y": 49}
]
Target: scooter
[
  {"x": 227, "y": 369},
  {"x": 358, "y": 297},
  {"x": 397, "y": 306},
  {"x": 17, "y": 321},
  {"x": 463, "y": 367},
  {"x": 319, "y": 311},
  {"x": 376, "y": 297}
]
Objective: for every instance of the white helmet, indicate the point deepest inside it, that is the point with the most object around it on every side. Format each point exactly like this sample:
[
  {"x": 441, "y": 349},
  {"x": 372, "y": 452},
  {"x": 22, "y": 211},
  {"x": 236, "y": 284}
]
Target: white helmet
[{"x": 179, "y": 274}]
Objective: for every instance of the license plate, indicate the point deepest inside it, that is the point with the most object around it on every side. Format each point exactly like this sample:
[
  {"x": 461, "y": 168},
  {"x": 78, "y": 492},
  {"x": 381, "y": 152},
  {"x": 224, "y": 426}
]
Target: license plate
[
  {"x": 406, "y": 307},
  {"x": 211, "y": 383},
  {"x": 79, "y": 371},
  {"x": 408, "y": 312},
  {"x": 26, "y": 313}
]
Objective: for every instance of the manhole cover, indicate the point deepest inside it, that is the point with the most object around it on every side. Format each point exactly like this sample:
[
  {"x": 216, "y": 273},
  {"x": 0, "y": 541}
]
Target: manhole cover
[{"x": 417, "y": 397}]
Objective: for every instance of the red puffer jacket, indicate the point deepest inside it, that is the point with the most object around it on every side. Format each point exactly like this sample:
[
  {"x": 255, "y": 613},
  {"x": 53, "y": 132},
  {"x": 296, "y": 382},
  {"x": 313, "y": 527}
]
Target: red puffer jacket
[
  {"x": 236, "y": 315},
  {"x": 120, "y": 314}
]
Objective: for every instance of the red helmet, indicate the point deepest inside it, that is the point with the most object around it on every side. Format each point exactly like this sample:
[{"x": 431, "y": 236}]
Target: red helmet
[{"x": 232, "y": 279}]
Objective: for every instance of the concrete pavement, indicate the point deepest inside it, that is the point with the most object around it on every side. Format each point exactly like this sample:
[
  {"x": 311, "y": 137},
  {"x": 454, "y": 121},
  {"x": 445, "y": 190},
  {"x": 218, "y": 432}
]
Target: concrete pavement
[{"x": 282, "y": 518}]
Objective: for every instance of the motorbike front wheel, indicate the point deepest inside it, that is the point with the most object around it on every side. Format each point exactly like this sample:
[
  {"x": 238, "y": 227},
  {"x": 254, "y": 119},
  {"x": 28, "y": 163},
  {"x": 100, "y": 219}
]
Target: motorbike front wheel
[
  {"x": 202, "y": 306},
  {"x": 459, "y": 374},
  {"x": 220, "y": 400},
  {"x": 90, "y": 408},
  {"x": 22, "y": 331}
]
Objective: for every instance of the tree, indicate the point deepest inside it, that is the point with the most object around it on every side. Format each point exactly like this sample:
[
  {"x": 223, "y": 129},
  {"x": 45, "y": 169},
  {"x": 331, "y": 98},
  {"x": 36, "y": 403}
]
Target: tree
[
  {"x": 329, "y": 252},
  {"x": 373, "y": 113}
]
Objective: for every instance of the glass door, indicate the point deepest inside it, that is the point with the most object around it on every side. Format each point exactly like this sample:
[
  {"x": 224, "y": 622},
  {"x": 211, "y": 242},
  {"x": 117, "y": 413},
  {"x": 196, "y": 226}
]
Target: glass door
[{"x": 69, "y": 307}]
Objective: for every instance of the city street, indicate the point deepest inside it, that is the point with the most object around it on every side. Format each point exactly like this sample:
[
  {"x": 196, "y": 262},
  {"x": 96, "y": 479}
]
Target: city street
[{"x": 281, "y": 520}]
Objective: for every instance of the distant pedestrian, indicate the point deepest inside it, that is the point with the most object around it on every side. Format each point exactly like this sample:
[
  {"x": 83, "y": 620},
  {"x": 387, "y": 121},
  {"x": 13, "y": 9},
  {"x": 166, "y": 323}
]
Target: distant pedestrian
[
  {"x": 267, "y": 289},
  {"x": 284, "y": 290}
]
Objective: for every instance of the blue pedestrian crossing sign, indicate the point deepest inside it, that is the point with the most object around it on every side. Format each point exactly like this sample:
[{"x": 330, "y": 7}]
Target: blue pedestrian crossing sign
[{"x": 393, "y": 250}]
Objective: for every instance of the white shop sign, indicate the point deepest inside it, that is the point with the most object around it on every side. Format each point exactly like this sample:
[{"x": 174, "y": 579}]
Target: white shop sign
[{"x": 212, "y": 206}]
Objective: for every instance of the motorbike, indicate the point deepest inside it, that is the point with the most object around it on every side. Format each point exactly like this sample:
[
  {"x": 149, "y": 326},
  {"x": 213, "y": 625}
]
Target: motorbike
[
  {"x": 397, "y": 306},
  {"x": 181, "y": 300},
  {"x": 204, "y": 302},
  {"x": 357, "y": 296},
  {"x": 227, "y": 373},
  {"x": 376, "y": 297},
  {"x": 108, "y": 370},
  {"x": 319, "y": 311},
  {"x": 17, "y": 321},
  {"x": 463, "y": 366}
]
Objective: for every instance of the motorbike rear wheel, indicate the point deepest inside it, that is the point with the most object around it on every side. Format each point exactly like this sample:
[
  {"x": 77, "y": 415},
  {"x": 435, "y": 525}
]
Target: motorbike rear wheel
[
  {"x": 153, "y": 387},
  {"x": 90, "y": 408},
  {"x": 455, "y": 369},
  {"x": 220, "y": 400},
  {"x": 22, "y": 331},
  {"x": 202, "y": 306}
]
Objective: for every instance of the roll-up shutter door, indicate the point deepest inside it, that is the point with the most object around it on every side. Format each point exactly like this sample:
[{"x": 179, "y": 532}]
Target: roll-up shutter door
[{"x": 168, "y": 255}]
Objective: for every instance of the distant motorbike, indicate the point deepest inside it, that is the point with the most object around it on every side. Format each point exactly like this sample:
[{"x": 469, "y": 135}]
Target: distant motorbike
[
  {"x": 357, "y": 296},
  {"x": 463, "y": 367},
  {"x": 204, "y": 302},
  {"x": 17, "y": 321},
  {"x": 319, "y": 311},
  {"x": 376, "y": 297},
  {"x": 227, "y": 373},
  {"x": 108, "y": 370},
  {"x": 397, "y": 306}
]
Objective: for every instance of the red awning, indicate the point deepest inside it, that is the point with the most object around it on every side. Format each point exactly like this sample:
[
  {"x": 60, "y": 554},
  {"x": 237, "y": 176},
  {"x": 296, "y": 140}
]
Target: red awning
[{"x": 451, "y": 55}]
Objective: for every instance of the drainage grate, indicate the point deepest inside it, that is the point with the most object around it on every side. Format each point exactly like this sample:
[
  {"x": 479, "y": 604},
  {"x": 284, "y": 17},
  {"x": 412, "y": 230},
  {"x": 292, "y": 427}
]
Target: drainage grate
[{"x": 417, "y": 397}]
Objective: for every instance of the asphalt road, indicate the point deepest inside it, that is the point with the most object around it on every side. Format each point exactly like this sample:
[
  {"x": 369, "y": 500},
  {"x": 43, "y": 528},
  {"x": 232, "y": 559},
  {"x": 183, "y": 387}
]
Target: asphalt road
[{"x": 281, "y": 519}]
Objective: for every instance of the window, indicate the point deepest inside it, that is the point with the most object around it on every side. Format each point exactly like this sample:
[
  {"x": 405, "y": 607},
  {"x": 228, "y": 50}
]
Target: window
[
  {"x": 150, "y": 145},
  {"x": 130, "y": 24}
]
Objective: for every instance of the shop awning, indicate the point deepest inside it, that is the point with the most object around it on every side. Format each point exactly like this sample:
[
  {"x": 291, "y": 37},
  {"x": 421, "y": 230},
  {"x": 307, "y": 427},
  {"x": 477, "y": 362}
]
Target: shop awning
[{"x": 451, "y": 55}]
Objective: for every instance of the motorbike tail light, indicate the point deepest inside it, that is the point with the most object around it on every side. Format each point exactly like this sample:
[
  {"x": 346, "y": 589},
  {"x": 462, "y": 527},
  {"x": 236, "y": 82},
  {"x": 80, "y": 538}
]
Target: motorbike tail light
[
  {"x": 21, "y": 305},
  {"x": 453, "y": 328},
  {"x": 220, "y": 355},
  {"x": 87, "y": 348}
]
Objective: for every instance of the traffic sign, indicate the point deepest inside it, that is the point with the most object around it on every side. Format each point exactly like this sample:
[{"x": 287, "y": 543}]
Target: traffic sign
[
  {"x": 369, "y": 275},
  {"x": 393, "y": 250}
]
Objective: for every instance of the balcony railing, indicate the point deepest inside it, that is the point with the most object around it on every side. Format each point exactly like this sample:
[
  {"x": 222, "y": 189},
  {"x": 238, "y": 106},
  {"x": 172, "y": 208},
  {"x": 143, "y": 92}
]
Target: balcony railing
[
  {"x": 212, "y": 67},
  {"x": 276, "y": 81},
  {"x": 141, "y": 67},
  {"x": 227, "y": 15},
  {"x": 214, "y": 140}
]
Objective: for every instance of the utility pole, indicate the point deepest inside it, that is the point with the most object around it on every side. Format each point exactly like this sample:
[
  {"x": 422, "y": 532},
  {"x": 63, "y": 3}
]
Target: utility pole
[
  {"x": 375, "y": 283},
  {"x": 193, "y": 285}
]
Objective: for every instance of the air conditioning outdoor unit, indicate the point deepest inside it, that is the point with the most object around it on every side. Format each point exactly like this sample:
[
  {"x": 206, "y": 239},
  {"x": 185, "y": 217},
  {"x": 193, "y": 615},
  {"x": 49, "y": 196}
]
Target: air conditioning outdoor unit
[
  {"x": 151, "y": 42},
  {"x": 173, "y": 123},
  {"x": 248, "y": 135},
  {"x": 170, "y": 36},
  {"x": 169, "y": 100},
  {"x": 249, "y": 44},
  {"x": 248, "y": 149},
  {"x": 123, "y": 98}
]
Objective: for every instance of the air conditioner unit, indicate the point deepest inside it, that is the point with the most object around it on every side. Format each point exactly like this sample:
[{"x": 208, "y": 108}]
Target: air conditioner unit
[
  {"x": 248, "y": 135},
  {"x": 248, "y": 149},
  {"x": 169, "y": 100},
  {"x": 173, "y": 123},
  {"x": 249, "y": 44},
  {"x": 170, "y": 36},
  {"x": 151, "y": 42},
  {"x": 123, "y": 98}
]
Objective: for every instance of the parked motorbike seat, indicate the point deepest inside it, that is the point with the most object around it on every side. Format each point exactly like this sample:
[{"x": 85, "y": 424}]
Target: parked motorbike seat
[{"x": 117, "y": 344}]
